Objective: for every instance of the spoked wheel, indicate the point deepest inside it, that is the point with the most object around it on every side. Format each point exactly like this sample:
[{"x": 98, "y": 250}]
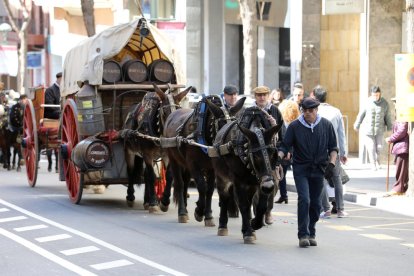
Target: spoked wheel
[
  {"x": 30, "y": 143},
  {"x": 70, "y": 138}
]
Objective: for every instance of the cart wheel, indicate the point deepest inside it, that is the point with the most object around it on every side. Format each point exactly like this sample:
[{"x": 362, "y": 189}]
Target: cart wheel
[
  {"x": 70, "y": 138},
  {"x": 30, "y": 143}
]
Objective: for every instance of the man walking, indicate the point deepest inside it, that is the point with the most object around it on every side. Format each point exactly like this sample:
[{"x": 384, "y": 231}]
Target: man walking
[
  {"x": 314, "y": 156},
  {"x": 334, "y": 115}
]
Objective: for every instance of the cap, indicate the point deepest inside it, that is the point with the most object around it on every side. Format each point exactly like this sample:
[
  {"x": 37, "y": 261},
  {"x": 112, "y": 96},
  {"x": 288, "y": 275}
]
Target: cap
[
  {"x": 261, "y": 90},
  {"x": 310, "y": 102},
  {"x": 298, "y": 85},
  {"x": 59, "y": 75},
  {"x": 375, "y": 89},
  {"x": 230, "y": 90}
]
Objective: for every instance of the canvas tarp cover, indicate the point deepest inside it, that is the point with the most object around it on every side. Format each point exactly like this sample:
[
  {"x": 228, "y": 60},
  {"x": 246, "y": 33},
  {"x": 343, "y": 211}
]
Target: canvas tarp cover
[{"x": 85, "y": 61}]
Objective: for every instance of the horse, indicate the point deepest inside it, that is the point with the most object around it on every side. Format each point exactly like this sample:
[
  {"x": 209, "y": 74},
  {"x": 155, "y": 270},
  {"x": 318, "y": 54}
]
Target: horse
[
  {"x": 147, "y": 118},
  {"x": 246, "y": 159},
  {"x": 199, "y": 124},
  {"x": 15, "y": 132}
]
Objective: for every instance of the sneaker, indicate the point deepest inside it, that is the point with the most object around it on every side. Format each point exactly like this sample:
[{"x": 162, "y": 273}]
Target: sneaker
[
  {"x": 304, "y": 242},
  {"x": 312, "y": 241},
  {"x": 342, "y": 214},
  {"x": 325, "y": 215}
]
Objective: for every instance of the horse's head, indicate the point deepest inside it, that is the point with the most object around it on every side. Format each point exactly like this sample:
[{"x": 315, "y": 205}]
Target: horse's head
[
  {"x": 261, "y": 152},
  {"x": 169, "y": 101},
  {"x": 221, "y": 114}
]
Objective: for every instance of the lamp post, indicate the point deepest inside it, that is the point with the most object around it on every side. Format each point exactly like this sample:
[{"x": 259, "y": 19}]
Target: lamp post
[{"x": 5, "y": 28}]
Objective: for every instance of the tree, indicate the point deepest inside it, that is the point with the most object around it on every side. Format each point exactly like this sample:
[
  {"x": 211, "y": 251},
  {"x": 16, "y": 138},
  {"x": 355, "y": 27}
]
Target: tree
[
  {"x": 26, "y": 10},
  {"x": 88, "y": 16},
  {"x": 248, "y": 17},
  {"x": 410, "y": 50}
]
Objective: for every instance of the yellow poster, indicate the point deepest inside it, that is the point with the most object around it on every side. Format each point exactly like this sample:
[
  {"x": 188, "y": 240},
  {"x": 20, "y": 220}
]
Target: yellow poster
[{"x": 404, "y": 86}]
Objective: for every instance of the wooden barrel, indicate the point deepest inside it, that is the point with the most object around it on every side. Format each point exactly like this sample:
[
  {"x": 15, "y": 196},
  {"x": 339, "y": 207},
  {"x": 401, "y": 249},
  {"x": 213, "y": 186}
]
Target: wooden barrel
[
  {"x": 135, "y": 70},
  {"x": 111, "y": 71},
  {"x": 161, "y": 70}
]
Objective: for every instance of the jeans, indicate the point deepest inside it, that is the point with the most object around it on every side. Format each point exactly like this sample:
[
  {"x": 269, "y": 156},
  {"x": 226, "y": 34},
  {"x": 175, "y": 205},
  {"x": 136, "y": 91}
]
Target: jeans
[
  {"x": 374, "y": 146},
  {"x": 309, "y": 189},
  {"x": 339, "y": 190}
]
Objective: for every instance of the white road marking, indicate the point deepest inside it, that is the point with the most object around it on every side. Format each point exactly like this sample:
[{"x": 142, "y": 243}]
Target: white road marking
[
  {"x": 4, "y": 210},
  {"x": 80, "y": 250},
  {"x": 112, "y": 264},
  {"x": 12, "y": 219},
  {"x": 380, "y": 237},
  {"x": 53, "y": 238},
  {"x": 30, "y": 228},
  {"x": 48, "y": 255},
  {"x": 95, "y": 240}
]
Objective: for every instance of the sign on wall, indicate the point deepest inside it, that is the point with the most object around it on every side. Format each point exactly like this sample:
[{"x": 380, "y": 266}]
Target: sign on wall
[
  {"x": 404, "y": 85},
  {"x": 342, "y": 6}
]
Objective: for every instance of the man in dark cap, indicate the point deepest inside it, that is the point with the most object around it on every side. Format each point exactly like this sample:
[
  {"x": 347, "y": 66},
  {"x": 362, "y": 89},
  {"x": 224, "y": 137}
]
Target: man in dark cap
[
  {"x": 314, "y": 155},
  {"x": 52, "y": 96},
  {"x": 230, "y": 94}
]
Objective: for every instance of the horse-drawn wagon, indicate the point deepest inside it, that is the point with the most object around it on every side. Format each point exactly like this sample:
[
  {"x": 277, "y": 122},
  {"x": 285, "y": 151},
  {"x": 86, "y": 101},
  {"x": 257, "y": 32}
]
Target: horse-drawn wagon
[{"x": 103, "y": 77}]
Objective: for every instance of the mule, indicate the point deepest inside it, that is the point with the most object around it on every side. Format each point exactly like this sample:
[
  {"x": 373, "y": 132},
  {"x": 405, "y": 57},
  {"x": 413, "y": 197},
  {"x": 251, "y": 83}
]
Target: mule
[
  {"x": 148, "y": 118},
  {"x": 200, "y": 124},
  {"x": 246, "y": 161}
]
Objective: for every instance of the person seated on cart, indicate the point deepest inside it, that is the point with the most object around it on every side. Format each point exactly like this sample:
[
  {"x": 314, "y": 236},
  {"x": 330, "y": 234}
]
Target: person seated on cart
[{"x": 52, "y": 96}]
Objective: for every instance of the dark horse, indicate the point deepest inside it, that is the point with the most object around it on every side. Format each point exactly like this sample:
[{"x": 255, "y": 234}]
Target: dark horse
[
  {"x": 192, "y": 161},
  {"x": 15, "y": 132},
  {"x": 246, "y": 160},
  {"x": 4, "y": 136},
  {"x": 148, "y": 118}
]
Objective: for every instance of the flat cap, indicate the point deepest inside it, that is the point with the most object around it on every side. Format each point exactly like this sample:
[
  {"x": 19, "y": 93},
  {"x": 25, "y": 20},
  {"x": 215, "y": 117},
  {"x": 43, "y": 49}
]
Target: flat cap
[
  {"x": 310, "y": 102},
  {"x": 59, "y": 75},
  {"x": 230, "y": 90},
  {"x": 261, "y": 90}
]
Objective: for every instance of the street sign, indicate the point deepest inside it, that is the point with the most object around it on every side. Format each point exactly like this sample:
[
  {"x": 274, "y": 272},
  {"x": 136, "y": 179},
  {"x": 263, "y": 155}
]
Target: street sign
[
  {"x": 34, "y": 60},
  {"x": 342, "y": 6}
]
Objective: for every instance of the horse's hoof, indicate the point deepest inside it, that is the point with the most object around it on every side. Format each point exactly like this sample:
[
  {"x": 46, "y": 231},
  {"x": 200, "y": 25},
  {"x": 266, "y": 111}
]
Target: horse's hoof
[
  {"x": 256, "y": 224},
  {"x": 269, "y": 219},
  {"x": 182, "y": 218},
  {"x": 223, "y": 232},
  {"x": 153, "y": 209},
  {"x": 8, "y": 168},
  {"x": 130, "y": 203},
  {"x": 198, "y": 217},
  {"x": 13, "y": 167},
  {"x": 249, "y": 239},
  {"x": 209, "y": 222},
  {"x": 163, "y": 207},
  {"x": 233, "y": 214},
  {"x": 146, "y": 206}
]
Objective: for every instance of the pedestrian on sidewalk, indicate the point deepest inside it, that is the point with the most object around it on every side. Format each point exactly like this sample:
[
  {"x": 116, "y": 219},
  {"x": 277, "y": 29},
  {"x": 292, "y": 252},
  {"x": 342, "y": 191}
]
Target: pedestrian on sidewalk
[
  {"x": 290, "y": 112},
  {"x": 373, "y": 120},
  {"x": 400, "y": 141},
  {"x": 334, "y": 115},
  {"x": 314, "y": 156}
]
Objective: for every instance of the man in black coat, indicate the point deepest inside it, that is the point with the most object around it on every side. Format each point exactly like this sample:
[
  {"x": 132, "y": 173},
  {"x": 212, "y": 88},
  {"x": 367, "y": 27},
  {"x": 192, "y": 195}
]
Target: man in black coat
[{"x": 52, "y": 96}]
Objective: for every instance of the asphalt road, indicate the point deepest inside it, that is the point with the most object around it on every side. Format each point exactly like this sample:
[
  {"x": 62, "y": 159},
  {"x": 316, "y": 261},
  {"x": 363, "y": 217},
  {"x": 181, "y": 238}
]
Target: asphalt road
[{"x": 42, "y": 232}]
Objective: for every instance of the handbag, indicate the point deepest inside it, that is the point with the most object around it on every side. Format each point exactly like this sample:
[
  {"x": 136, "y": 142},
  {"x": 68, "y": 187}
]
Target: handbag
[{"x": 344, "y": 176}]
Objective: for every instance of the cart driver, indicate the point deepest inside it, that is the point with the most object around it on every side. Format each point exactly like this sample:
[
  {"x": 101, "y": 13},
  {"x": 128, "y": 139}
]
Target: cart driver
[{"x": 52, "y": 96}]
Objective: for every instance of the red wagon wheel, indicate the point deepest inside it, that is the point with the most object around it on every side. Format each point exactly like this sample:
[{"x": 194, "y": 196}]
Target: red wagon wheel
[
  {"x": 70, "y": 138},
  {"x": 30, "y": 143}
]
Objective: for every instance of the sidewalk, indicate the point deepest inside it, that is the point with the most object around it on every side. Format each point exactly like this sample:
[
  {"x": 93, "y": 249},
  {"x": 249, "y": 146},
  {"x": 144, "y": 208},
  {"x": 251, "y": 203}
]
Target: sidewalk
[{"x": 367, "y": 187}]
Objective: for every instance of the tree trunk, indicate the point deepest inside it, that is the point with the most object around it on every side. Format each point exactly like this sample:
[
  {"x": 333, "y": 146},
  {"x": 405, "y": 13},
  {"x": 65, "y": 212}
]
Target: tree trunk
[
  {"x": 248, "y": 17},
  {"x": 26, "y": 11},
  {"x": 88, "y": 16},
  {"x": 410, "y": 50}
]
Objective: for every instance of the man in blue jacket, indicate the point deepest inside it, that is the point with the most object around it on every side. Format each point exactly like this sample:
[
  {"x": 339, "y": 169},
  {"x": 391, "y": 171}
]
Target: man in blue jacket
[{"x": 314, "y": 155}]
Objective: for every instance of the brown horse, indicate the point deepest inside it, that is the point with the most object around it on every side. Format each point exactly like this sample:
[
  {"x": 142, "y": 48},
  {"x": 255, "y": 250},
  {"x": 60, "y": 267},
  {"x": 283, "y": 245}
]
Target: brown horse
[
  {"x": 148, "y": 118},
  {"x": 199, "y": 124},
  {"x": 248, "y": 160}
]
